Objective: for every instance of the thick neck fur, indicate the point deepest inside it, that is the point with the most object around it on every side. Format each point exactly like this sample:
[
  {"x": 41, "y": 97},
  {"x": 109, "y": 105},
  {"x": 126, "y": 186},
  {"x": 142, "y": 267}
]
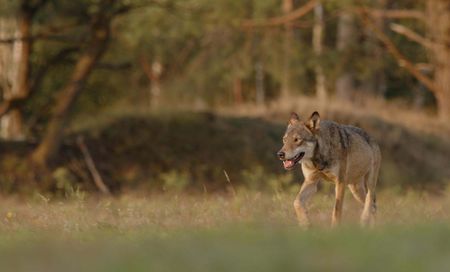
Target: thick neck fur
[{"x": 328, "y": 142}]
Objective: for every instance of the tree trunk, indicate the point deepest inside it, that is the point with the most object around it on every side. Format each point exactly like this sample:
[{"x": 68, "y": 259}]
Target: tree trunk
[
  {"x": 237, "y": 91},
  {"x": 345, "y": 83},
  {"x": 24, "y": 67},
  {"x": 95, "y": 47},
  {"x": 287, "y": 7},
  {"x": 153, "y": 72},
  {"x": 321, "y": 91},
  {"x": 259, "y": 83},
  {"x": 16, "y": 82},
  {"x": 375, "y": 83},
  {"x": 155, "y": 88},
  {"x": 438, "y": 21}
]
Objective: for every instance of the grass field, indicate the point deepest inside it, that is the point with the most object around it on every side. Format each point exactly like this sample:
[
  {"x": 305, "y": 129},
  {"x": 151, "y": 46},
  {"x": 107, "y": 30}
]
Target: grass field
[{"x": 244, "y": 232}]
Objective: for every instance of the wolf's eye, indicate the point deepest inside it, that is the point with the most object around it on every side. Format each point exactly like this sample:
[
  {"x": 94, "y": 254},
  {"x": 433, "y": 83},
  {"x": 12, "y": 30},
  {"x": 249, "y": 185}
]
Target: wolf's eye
[{"x": 296, "y": 140}]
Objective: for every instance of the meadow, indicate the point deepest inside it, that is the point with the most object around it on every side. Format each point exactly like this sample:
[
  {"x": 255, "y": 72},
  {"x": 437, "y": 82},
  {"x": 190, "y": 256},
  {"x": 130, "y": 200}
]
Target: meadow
[
  {"x": 141, "y": 135},
  {"x": 178, "y": 205},
  {"x": 246, "y": 231}
]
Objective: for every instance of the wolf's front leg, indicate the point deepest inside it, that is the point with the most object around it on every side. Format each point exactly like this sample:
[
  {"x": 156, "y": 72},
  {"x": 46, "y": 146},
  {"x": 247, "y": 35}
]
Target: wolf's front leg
[
  {"x": 309, "y": 187},
  {"x": 337, "y": 211}
]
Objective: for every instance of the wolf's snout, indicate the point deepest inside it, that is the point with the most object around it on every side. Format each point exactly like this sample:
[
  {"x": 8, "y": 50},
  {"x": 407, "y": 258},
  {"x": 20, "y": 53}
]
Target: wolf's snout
[{"x": 281, "y": 155}]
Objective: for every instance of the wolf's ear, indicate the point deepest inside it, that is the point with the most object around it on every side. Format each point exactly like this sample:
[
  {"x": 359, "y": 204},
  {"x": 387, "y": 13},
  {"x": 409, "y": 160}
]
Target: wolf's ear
[
  {"x": 294, "y": 118},
  {"x": 314, "y": 121}
]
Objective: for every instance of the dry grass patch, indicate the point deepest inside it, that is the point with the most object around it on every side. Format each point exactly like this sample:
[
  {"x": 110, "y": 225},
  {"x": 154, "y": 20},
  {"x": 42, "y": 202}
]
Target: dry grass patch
[{"x": 172, "y": 212}]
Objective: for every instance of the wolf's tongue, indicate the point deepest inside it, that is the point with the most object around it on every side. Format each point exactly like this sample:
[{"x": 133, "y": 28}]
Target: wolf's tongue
[{"x": 288, "y": 163}]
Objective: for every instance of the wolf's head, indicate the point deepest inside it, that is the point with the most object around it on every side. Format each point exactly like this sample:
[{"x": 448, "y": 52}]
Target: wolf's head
[{"x": 299, "y": 141}]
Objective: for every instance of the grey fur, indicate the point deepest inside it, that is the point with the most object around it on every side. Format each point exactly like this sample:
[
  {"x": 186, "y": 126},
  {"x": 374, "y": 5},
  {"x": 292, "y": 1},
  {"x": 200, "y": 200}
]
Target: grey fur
[{"x": 343, "y": 154}]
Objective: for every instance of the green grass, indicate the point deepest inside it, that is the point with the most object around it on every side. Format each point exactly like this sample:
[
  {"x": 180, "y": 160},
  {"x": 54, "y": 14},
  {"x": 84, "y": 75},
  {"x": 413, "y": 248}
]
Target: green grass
[
  {"x": 423, "y": 248},
  {"x": 247, "y": 232}
]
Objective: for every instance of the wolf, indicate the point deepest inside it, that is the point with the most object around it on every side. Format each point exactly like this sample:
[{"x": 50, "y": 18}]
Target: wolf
[{"x": 343, "y": 154}]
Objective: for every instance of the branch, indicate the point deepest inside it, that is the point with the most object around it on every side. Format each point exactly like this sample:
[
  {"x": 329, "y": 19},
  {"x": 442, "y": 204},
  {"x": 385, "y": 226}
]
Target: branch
[
  {"x": 94, "y": 49},
  {"x": 413, "y": 36},
  {"x": 401, "y": 60},
  {"x": 51, "y": 33},
  {"x": 114, "y": 66},
  {"x": 281, "y": 20},
  {"x": 98, "y": 180},
  {"x": 125, "y": 8},
  {"x": 394, "y": 13}
]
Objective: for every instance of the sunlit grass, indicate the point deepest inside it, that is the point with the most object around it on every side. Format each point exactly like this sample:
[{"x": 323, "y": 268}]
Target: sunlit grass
[{"x": 175, "y": 211}]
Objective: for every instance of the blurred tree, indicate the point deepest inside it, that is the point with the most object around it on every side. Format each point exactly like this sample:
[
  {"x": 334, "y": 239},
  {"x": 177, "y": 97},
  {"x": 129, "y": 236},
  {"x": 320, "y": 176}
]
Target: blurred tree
[
  {"x": 287, "y": 7},
  {"x": 153, "y": 71},
  {"x": 438, "y": 26},
  {"x": 345, "y": 41},
  {"x": 437, "y": 22},
  {"x": 15, "y": 55},
  {"x": 201, "y": 53},
  {"x": 318, "y": 29},
  {"x": 101, "y": 13},
  {"x": 374, "y": 83}
]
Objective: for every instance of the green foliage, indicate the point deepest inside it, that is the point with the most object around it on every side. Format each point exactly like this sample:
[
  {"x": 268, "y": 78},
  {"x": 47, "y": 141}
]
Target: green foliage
[
  {"x": 66, "y": 185},
  {"x": 203, "y": 50},
  {"x": 174, "y": 181},
  {"x": 258, "y": 179}
]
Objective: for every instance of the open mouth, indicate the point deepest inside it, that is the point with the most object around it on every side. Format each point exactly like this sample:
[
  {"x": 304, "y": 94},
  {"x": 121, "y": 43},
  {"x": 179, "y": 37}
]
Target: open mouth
[{"x": 289, "y": 164}]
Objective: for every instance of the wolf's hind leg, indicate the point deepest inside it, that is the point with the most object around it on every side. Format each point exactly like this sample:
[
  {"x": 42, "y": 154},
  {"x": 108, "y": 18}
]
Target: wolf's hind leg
[
  {"x": 358, "y": 191},
  {"x": 370, "y": 205},
  {"x": 309, "y": 187},
  {"x": 370, "y": 208}
]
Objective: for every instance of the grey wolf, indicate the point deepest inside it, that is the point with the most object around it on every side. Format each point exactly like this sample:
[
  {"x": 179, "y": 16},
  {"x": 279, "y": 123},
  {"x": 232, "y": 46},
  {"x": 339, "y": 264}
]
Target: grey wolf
[{"x": 343, "y": 154}]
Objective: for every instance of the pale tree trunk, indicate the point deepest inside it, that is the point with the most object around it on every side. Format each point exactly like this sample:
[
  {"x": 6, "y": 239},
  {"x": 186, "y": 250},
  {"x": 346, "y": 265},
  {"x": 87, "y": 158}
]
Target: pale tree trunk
[
  {"x": 375, "y": 83},
  {"x": 237, "y": 91},
  {"x": 8, "y": 70},
  {"x": 287, "y": 7},
  {"x": 95, "y": 47},
  {"x": 155, "y": 88},
  {"x": 438, "y": 21},
  {"x": 321, "y": 91},
  {"x": 153, "y": 72},
  {"x": 345, "y": 83},
  {"x": 259, "y": 83},
  {"x": 15, "y": 68}
]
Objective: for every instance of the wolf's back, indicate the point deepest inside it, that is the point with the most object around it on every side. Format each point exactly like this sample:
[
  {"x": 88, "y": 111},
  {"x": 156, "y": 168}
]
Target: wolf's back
[{"x": 338, "y": 138}]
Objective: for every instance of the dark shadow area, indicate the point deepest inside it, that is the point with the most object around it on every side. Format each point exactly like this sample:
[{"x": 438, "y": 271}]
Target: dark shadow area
[{"x": 191, "y": 151}]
